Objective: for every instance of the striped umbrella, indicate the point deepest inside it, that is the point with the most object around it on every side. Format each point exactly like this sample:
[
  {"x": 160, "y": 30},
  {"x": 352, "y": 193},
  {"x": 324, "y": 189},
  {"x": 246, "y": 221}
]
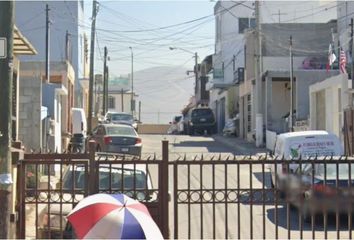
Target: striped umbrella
[{"x": 104, "y": 216}]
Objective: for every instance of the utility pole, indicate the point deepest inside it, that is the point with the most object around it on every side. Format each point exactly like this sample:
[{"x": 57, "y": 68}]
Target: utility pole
[
  {"x": 351, "y": 55},
  {"x": 291, "y": 124},
  {"x": 132, "y": 81},
  {"x": 258, "y": 83},
  {"x": 67, "y": 47},
  {"x": 196, "y": 72},
  {"x": 279, "y": 14},
  {"x": 6, "y": 75},
  {"x": 106, "y": 90},
  {"x": 47, "y": 43},
  {"x": 92, "y": 59},
  {"x": 139, "y": 111},
  {"x": 122, "y": 101},
  {"x": 104, "y": 81}
]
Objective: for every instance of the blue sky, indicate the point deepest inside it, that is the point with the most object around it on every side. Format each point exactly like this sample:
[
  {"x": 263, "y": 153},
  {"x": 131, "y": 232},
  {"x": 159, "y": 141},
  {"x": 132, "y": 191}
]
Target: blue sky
[{"x": 152, "y": 48}]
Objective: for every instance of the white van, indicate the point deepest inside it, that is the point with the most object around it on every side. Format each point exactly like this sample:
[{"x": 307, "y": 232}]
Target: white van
[
  {"x": 305, "y": 144},
  {"x": 79, "y": 122}
]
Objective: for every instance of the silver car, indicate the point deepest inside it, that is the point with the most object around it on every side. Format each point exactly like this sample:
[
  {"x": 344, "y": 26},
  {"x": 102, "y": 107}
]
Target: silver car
[
  {"x": 134, "y": 181},
  {"x": 121, "y": 118},
  {"x": 116, "y": 138}
]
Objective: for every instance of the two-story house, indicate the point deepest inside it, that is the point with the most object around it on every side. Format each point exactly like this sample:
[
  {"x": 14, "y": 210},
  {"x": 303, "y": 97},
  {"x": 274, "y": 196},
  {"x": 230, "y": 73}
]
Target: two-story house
[{"x": 232, "y": 19}]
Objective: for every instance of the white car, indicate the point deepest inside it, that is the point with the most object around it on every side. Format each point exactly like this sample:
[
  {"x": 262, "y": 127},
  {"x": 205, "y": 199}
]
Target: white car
[
  {"x": 304, "y": 144},
  {"x": 303, "y": 186},
  {"x": 176, "y": 126},
  {"x": 113, "y": 177}
]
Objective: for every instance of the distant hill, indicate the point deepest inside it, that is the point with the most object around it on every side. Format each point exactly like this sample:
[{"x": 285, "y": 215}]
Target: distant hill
[{"x": 162, "y": 89}]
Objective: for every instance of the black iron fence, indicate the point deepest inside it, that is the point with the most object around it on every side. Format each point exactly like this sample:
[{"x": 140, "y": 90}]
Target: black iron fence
[
  {"x": 245, "y": 197},
  {"x": 206, "y": 196}
]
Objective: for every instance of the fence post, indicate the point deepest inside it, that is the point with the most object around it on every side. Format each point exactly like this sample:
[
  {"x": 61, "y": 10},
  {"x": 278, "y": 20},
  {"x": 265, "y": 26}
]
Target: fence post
[
  {"x": 163, "y": 190},
  {"x": 92, "y": 168}
]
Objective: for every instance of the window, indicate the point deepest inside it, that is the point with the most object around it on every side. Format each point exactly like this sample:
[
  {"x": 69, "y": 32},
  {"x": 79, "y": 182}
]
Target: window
[
  {"x": 111, "y": 102},
  {"x": 245, "y": 23}
]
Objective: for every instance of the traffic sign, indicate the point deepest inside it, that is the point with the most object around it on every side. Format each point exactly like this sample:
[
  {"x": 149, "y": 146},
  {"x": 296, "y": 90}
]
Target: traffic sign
[{"x": 3, "y": 48}]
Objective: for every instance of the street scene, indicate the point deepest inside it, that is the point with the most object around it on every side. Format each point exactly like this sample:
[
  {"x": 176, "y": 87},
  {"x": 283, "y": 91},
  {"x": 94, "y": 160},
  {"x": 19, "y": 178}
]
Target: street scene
[{"x": 176, "y": 119}]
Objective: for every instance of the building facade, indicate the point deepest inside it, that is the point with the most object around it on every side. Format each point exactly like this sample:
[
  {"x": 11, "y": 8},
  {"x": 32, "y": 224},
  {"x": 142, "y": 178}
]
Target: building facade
[
  {"x": 232, "y": 20},
  {"x": 68, "y": 41}
]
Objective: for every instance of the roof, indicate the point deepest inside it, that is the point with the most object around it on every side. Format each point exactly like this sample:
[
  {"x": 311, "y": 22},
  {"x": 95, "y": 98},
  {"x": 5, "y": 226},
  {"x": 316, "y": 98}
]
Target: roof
[
  {"x": 21, "y": 45},
  {"x": 302, "y": 134},
  {"x": 116, "y": 125}
]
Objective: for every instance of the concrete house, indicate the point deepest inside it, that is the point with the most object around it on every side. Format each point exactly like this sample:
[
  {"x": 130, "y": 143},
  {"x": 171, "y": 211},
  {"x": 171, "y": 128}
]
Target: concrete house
[
  {"x": 310, "y": 47},
  {"x": 330, "y": 97},
  {"x": 232, "y": 19},
  {"x": 45, "y": 117},
  {"x": 119, "y": 95},
  {"x": 68, "y": 41},
  {"x": 204, "y": 68}
]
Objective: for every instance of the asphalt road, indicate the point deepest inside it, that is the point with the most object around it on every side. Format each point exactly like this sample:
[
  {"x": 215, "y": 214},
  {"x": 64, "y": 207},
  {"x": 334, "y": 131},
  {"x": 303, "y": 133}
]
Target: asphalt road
[{"x": 197, "y": 220}]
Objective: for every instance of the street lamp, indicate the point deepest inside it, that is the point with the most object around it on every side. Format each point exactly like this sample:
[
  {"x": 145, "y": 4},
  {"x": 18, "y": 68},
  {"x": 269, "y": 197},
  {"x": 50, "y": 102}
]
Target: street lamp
[
  {"x": 132, "y": 82},
  {"x": 195, "y": 66}
]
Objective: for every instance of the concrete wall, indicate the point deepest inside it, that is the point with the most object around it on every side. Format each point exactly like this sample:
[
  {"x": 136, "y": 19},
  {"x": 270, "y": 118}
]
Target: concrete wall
[
  {"x": 153, "y": 128},
  {"x": 303, "y": 81},
  {"x": 328, "y": 99},
  {"x": 30, "y": 102}
]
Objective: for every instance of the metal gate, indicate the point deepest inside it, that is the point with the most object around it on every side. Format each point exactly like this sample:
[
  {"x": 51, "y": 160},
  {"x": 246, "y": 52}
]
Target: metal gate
[
  {"x": 235, "y": 198},
  {"x": 50, "y": 185}
]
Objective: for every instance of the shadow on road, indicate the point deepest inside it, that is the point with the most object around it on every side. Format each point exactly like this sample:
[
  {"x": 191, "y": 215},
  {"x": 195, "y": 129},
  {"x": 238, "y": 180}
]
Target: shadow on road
[
  {"x": 295, "y": 220},
  {"x": 211, "y": 145}
]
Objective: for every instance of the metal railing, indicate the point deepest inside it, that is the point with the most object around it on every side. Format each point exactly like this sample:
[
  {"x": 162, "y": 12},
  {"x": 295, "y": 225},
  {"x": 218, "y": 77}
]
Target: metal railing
[
  {"x": 236, "y": 197},
  {"x": 212, "y": 196}
]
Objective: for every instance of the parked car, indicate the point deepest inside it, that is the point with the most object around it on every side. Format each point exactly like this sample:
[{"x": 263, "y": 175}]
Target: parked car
[
  {"x": 295, "y": 181},
  {"x": 121, "y": 118},
  {"x": 199, "y": 120},
  {"x": 175, "y": 126},
  {"x": 312, "y": 193},
  {"x": 75, "y": 179},
  {"x": 79, "y": 123},
  {"x": 231, "y": 127},
  {"x": 116, "y": 138}
]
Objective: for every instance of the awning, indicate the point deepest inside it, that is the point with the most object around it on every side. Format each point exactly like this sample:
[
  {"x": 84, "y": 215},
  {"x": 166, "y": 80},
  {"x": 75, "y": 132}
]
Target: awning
[{"x": 21, "y": 45}]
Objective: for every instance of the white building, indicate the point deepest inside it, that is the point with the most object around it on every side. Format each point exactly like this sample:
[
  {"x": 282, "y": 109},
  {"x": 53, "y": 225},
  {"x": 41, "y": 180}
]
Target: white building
[
  {"x": 232, "y": 19},
  {"x": 65, "y": 17}
]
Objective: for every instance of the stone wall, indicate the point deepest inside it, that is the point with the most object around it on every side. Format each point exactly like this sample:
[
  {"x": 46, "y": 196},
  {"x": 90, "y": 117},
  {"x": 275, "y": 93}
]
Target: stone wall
[{"x": 30, "y": 102}]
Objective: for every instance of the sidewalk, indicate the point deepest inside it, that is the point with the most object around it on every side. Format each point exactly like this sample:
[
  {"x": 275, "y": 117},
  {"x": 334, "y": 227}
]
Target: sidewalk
[{"x": 241, "y": 146}]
